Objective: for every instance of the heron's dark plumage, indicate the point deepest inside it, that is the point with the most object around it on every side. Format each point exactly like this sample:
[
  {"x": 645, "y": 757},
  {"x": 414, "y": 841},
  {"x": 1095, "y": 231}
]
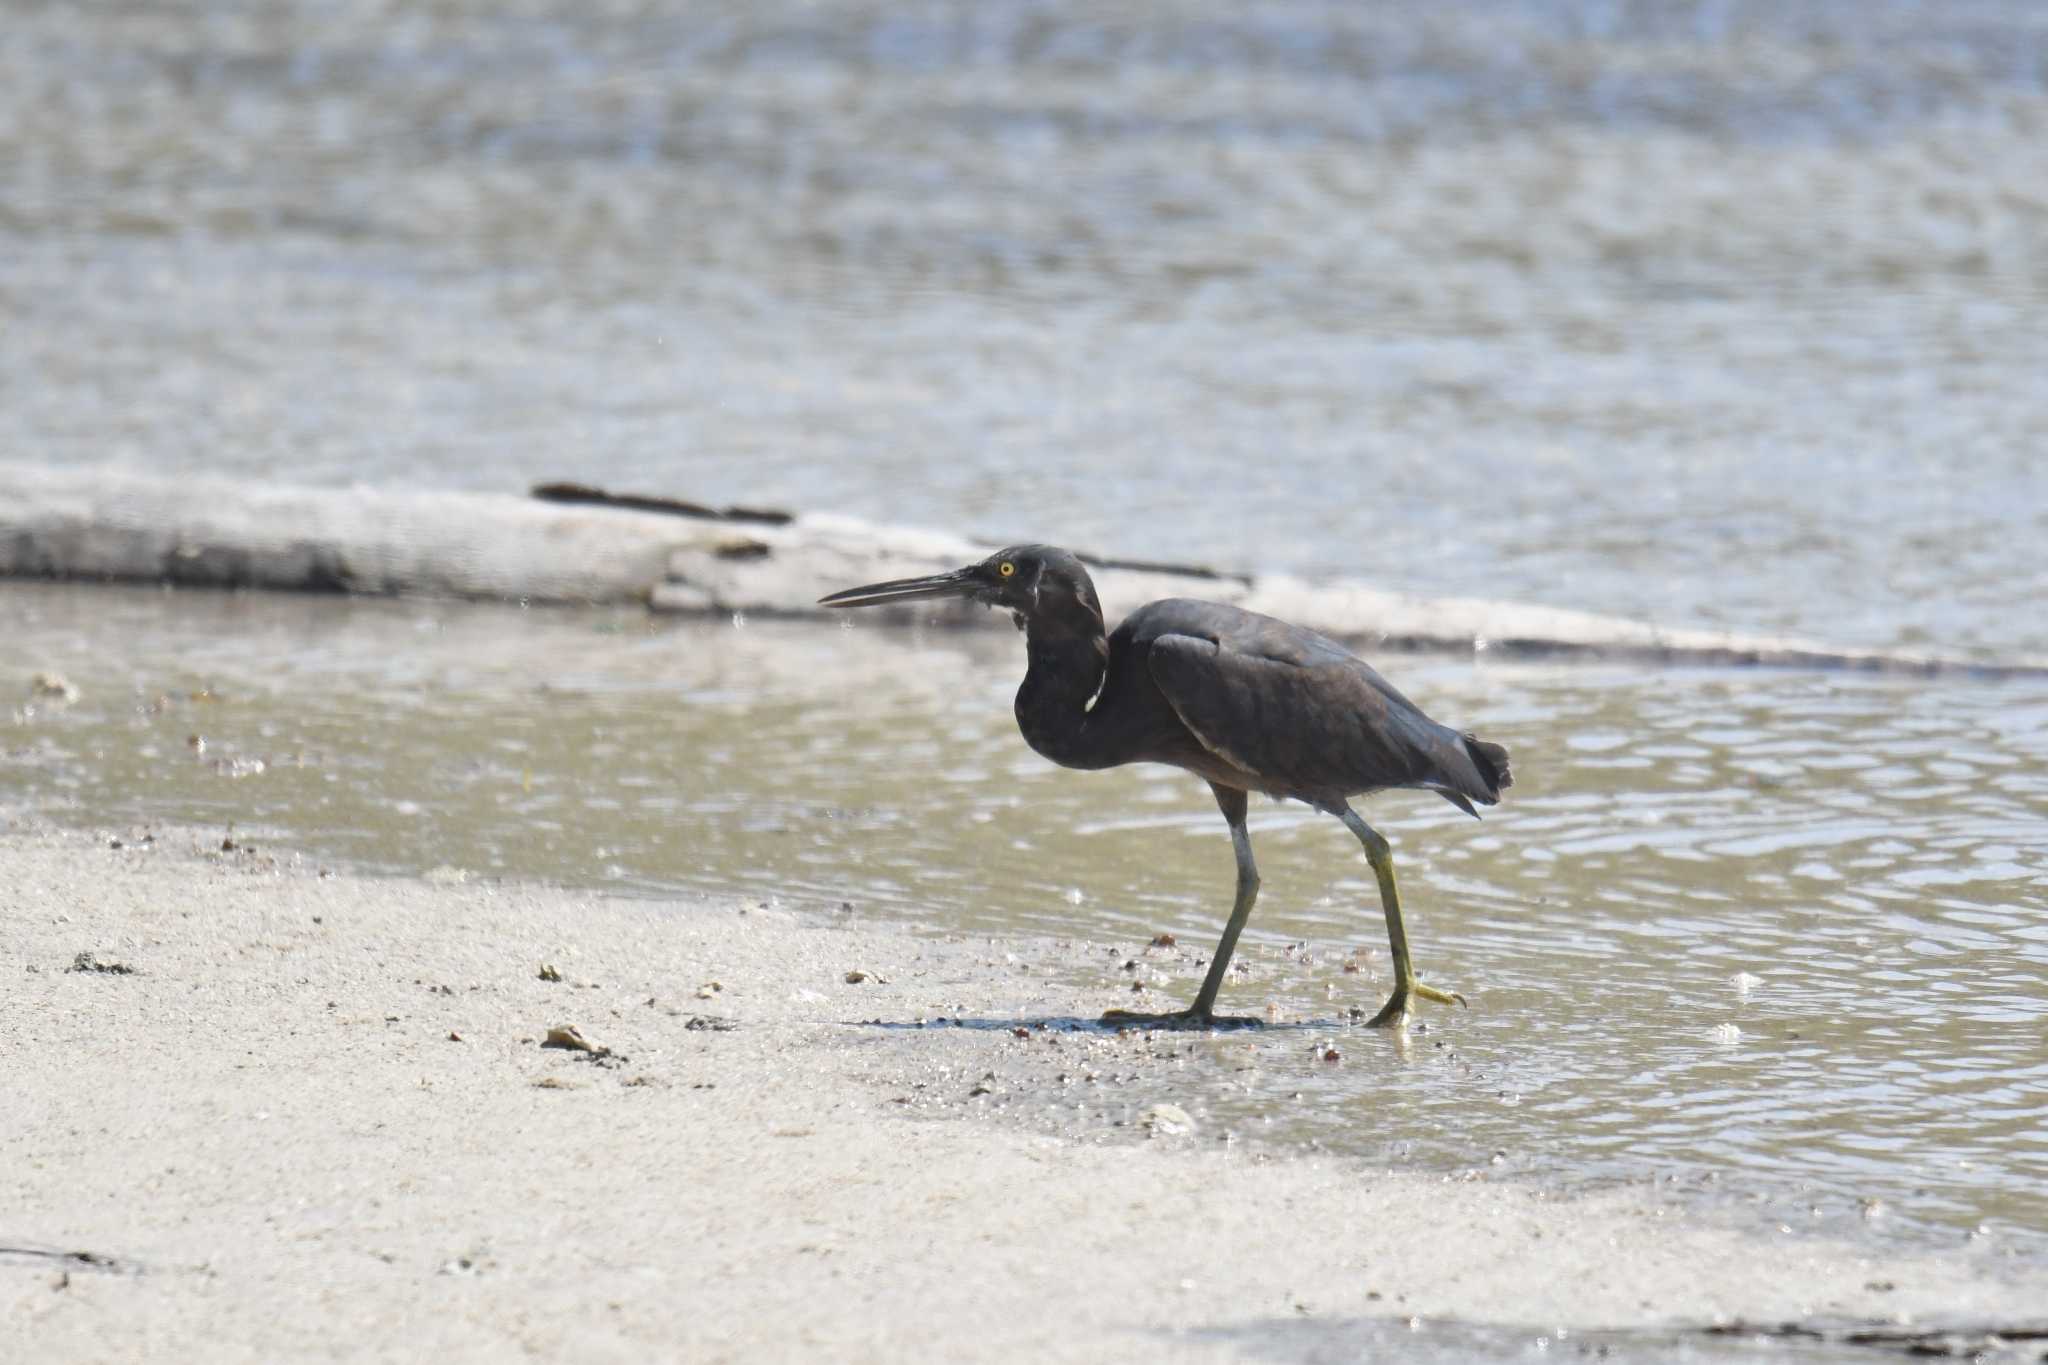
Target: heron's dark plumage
[
  {"x": 1247, "y": 701},
  {"x": 1295, "y": 713},
  {"x": 1242, "y": 699}
]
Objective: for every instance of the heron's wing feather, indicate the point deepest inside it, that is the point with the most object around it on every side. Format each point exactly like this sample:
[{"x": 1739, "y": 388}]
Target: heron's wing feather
[{"x": 1307, "y": 724}]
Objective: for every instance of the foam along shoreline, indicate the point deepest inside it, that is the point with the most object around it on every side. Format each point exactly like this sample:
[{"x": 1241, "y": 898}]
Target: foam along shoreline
[
  {"x": 257, "y": 1111},
  {"x": 97, "y": 525}
]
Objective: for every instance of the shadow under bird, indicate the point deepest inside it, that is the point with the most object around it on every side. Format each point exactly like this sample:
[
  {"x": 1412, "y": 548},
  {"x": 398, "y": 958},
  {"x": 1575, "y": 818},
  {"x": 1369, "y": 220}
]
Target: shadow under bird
[{"x": 1248, "y": 702}]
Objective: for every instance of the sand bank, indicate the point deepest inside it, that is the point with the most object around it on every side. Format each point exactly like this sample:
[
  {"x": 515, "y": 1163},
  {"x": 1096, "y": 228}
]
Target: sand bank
[{"x": 287, "y": 1115}]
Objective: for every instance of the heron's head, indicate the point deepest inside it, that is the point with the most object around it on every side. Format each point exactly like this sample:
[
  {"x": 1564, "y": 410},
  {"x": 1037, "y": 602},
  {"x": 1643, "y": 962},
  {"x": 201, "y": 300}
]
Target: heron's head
[{"x": 1041, "y": 584}]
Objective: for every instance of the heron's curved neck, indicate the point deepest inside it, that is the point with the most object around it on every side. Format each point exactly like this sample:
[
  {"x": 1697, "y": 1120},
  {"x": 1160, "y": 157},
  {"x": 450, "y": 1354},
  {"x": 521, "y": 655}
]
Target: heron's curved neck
[{"x": 1068, "y": 658}]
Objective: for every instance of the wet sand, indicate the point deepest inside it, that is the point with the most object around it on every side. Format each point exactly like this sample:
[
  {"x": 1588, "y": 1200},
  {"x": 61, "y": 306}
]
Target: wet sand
[{"x": 314, "y": 1120}]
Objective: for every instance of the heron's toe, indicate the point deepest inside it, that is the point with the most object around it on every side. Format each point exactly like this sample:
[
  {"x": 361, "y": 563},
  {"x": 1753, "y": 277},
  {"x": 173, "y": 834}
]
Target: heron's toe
[{"x": 1394, "y": 1014}]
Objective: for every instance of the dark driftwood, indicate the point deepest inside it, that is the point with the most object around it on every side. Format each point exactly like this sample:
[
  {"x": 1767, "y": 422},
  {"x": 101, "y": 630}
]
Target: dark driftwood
[{"x": 583, "y": 494}]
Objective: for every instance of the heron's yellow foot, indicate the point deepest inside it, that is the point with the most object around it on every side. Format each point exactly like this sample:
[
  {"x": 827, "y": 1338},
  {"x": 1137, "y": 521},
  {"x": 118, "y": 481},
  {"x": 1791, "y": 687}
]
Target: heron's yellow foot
[
  {"x": 1189, "y": 1018},
  {"x": 1394, "y": 1014}
]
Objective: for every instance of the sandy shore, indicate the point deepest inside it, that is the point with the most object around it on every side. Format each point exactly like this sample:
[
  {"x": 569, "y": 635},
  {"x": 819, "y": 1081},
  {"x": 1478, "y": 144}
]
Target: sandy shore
[{"x": 314, "y": 1121}]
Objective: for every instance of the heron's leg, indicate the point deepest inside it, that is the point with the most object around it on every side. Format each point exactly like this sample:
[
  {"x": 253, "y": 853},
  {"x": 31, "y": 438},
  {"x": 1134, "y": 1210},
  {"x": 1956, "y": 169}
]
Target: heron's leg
[
  {"x": 1381, "y": 856},
  {"x": 1240, "y": 913},
  {"x": 1203, "y": 1011}
]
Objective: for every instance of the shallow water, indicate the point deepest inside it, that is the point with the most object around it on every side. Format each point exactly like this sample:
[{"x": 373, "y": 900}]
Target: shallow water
[
  {"x": 1777, "y": 934},
  {"x": 1719, "y": 313},
  {"x": 1723, "y": 312}
]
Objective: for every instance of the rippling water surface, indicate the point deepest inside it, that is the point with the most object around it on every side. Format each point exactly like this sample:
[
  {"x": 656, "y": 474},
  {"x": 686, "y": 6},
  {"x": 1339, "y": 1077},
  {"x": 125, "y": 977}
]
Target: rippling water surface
[
  {"x": 1782, "y": 933},
  {"x": 1724, "y": 312}
]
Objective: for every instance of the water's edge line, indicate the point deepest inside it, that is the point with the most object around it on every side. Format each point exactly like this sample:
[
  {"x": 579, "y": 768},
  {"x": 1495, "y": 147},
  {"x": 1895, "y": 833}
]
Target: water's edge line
[{"x": 102, "y": 526}]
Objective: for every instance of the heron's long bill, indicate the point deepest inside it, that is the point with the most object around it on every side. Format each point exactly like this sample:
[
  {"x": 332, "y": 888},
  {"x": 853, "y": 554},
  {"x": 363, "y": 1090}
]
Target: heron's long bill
[{"x": 959, "y": 583}]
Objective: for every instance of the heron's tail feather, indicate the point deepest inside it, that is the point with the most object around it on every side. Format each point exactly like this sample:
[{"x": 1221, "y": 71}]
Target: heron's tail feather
[
  {"x": 1492, "y": 762},
  {"x": 1472, "y": 770}
]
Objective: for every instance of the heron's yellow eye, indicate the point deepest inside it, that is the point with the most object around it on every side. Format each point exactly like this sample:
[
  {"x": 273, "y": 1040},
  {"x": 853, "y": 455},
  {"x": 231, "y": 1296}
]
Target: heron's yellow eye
[{"x": 1006, "y": 568}]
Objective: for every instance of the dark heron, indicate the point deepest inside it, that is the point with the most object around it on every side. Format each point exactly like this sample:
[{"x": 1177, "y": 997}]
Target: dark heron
[{"x": 1248, "y": 702}]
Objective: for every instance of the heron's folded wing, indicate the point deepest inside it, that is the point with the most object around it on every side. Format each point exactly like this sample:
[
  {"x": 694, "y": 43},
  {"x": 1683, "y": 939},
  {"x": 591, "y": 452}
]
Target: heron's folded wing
[{"x": 1311, "y": 727}]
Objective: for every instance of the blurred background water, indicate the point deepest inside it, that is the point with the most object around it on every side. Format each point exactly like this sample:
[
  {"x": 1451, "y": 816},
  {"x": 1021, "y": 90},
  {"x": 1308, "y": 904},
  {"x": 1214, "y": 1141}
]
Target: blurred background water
[
  {"x": 1707, "y": 313},
  {"x": 1722, "y": 312}
]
